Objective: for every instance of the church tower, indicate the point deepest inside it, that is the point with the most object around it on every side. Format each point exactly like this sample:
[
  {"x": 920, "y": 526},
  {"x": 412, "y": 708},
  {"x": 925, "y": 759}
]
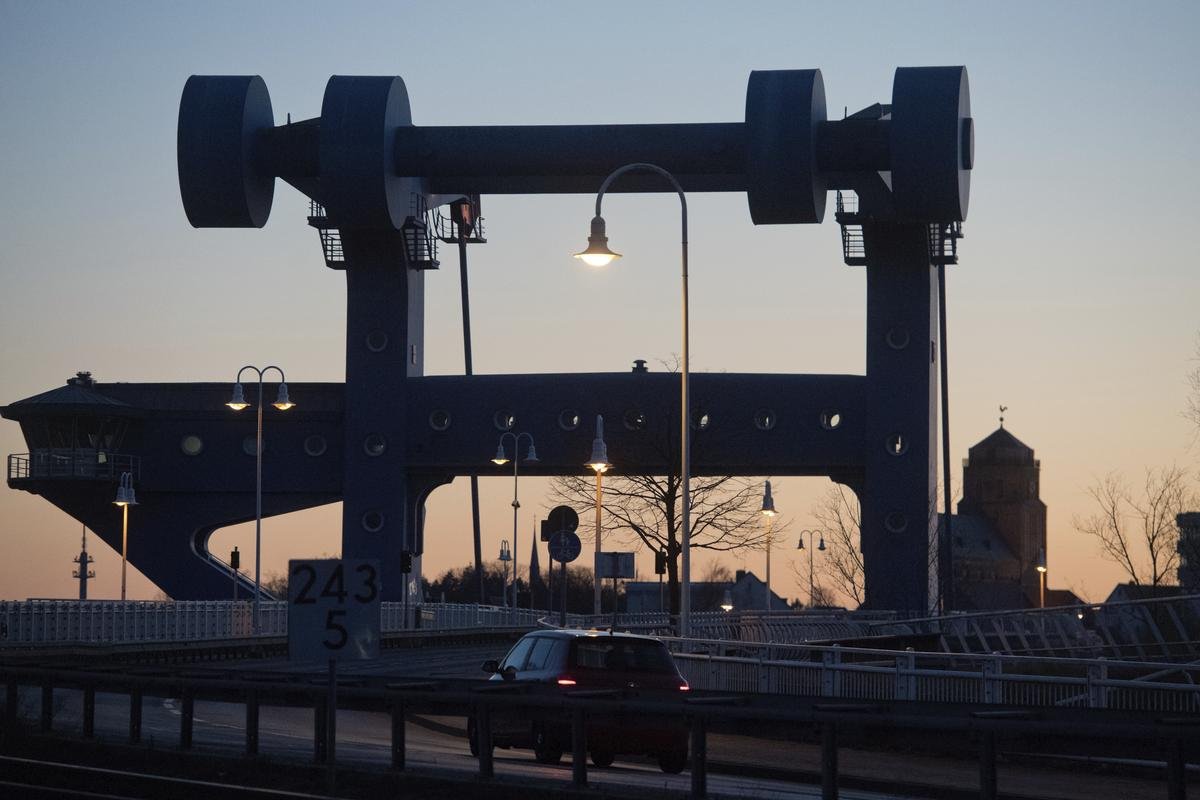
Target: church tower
[{"x": 1001, "y": 483}]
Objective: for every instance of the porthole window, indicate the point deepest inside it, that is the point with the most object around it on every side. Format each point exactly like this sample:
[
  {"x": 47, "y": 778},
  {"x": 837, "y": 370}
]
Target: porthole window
[
  {"x": 248, "y": 445},
  {"x": 377, "y": 341},
  {"x": 374, "y": 445},
  {"x": 372, "y": 521},
  {"x": 830, "y": 420},
  {"x": 764, "y": 419},
  {"x": 634, "y": 420},
  {"x": 897, "y": 338},
  {"x": 504, "y": 420},
  {"x": 439, "y": 420},
  {"x": 191, "y": 445},
  {"x": 896, "y": 522},
  {"x": 568, "y": 420},
  {"x": 897, "y": 444},
  {"x": 700, "y": 420},
  {"x": 315, "y": 445}
]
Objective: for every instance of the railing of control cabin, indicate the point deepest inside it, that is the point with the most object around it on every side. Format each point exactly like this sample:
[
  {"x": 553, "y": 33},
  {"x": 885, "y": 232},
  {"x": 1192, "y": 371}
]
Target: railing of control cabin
[{"x": 67, "y": 462}]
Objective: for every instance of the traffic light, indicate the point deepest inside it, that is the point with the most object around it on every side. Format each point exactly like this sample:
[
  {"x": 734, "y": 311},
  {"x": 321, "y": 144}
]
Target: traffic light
[
  {"x": 660, "y": 562},
  {"x": 235, "y": 559},
  {"x": 405, "y": 562}
]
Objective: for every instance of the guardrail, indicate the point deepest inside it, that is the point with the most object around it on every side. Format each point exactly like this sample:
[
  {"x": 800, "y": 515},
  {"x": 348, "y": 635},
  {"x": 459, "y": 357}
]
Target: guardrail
[
  {"x": 71, "y": 462},
  {"x": 873, "y": 674},
  {"x": 482, "y": 700}
]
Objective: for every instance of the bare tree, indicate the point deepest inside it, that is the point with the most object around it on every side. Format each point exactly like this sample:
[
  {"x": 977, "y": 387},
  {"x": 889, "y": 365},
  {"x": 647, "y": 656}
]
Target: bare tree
[
  {"x": 1139, "y": 533},
  {"x": 725, "y": 513},
  {"x": 840, "y": 519}
]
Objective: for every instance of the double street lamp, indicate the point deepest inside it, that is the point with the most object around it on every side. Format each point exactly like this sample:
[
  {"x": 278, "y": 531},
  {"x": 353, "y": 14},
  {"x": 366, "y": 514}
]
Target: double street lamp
[
  {"x": 501, "y": 459},
  {"x": 238, "y": 403},
  {"x": 811, "y": 586},
  {"x": 599, "y": 463},
  {"x": 768, "y": 511},
  {"x": 598, "y": 254}
]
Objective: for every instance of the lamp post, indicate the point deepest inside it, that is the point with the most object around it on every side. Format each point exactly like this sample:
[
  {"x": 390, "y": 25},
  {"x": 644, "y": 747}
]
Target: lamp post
[
  {"x": 238, "y": 403},
  {"x": 1041, "y": 568},
  {"x": 505, "y": 557},
  {"x": 598, "y": 254},
  {"x": 501, "y": 459},
  {"x": 599, "y": 463},
  {"x": 821, "y": 547},
  {"x": 768, "y": 510},
  {"x": 125, "y": 499}
]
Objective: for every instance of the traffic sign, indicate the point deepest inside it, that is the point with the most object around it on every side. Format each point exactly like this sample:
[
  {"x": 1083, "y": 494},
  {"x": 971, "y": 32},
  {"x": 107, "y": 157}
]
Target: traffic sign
[
  {"x": 565, "y": 547},
  {"x": 614, "y": 565},
  {"x": 562, "y": 518},
  {"x": 333, "y": 609}
]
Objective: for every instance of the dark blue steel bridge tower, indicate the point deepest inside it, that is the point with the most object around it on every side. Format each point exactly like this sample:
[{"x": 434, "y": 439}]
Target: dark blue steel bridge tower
[{"x": 390, "y": 435}]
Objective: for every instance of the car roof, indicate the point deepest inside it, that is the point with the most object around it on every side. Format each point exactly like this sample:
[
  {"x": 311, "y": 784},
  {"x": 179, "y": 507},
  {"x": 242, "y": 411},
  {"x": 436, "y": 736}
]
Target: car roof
[{"x": 575, "y": 633}]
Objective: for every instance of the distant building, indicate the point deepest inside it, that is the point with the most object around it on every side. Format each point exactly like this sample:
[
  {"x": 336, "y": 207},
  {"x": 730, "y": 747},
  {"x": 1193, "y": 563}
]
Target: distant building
[
  {"x": 1189, "y": 551},
  {"x": 998, "y": 536},
  {"x": 746, "y": 592}
]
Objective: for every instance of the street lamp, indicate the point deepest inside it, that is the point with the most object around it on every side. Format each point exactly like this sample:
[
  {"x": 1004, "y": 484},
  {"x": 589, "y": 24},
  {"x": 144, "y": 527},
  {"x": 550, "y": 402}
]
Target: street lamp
[
  {"x": 125, "y": 499},
  {"x": 768, "y": 510},
  {"x": 238, "y": 403},
  {"x": 598, "y": 254},
  {"x": 727, "y": 601},
  {"x": 505, "y": 557},
  {"x": 599, "y": 463},
  {"x": 821, "y": 547},
  {"x": 1041, "y": 568},
  {"x": 501, "y": 459}
]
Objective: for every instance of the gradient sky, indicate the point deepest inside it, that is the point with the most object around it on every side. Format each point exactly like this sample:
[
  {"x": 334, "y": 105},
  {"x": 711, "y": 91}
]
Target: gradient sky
[{"x": 1075, "y": 302}]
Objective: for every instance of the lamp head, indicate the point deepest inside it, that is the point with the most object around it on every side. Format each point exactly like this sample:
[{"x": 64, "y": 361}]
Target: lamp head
[
  {"x": 800, "y": 544},
  {"x": 500, "y": 459},
  {"x": 281, "y": 400},
  {"x": 597, "y": 253},
  {"x": 768, "y": 503},
  {"x": 727, "y": 601},
  {"x": 238, "y": 401},
  {"x": 532, "y": 454},
  {"x": 1041, "y": 562},
  {"x": 821, "y": 544},
  {"x": 599, "y": 458},
  {"x": 125, "y": 494}
]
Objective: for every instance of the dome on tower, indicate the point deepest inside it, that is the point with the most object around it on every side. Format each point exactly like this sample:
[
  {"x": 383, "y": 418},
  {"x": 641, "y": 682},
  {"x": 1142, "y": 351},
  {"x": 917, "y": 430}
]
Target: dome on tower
[{"x": 1001, "y": 447}]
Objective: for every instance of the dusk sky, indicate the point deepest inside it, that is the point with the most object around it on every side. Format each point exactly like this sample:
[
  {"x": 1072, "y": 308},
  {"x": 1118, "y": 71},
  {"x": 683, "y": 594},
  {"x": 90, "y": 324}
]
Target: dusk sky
[{"x": 1076, "y": 302}]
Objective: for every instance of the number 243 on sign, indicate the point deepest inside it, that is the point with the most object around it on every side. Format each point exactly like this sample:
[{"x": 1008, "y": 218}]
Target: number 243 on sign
[{"x": 333, "y": 609}]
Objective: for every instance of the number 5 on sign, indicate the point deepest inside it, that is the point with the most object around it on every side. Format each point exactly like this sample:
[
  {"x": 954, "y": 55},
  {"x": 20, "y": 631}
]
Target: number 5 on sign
[{"x": 333, "y": 609}]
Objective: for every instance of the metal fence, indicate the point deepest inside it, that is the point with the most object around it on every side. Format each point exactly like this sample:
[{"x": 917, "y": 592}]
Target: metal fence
[{"x": 72, "y": 462}]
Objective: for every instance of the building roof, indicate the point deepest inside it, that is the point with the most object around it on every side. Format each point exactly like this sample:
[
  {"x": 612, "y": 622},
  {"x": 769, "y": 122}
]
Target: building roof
[
  {"x": 976, "y": 537},
  {"x": 1001, "y": 447},
  {"x": 77, "y": 395},
  {"x": 1141, "y": 591}
]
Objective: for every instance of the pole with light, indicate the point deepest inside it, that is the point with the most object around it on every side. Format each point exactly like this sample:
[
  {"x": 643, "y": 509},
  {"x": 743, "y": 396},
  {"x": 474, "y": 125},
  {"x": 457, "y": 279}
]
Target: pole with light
[
  {"x": 500, "y": 460},
  {"x": 599, "y": 463},
  {"x": 238, "y": 403},
  {"x": 768, "y": 511},
  {"x": 598, "y": 254},
  {"x": 125, "y": 499},
  {"x": 821, "y": 547},
  {"x": 505, "y": 557},
  {"x": 1041, "y": 569}
]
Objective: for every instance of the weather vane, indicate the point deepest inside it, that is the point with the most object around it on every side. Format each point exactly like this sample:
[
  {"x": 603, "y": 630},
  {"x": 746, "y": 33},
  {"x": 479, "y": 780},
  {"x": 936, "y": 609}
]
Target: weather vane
[{"x": 1002, "y": 410}]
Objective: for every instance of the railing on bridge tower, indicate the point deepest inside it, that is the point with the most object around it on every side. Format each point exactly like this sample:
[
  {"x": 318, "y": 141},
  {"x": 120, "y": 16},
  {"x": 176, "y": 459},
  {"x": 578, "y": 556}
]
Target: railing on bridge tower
[{"x": 72, "y": 462}]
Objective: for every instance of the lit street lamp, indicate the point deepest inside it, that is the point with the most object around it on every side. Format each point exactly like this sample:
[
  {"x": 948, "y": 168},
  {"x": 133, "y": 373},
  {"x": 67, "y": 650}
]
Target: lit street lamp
[
  {"x": 599, "y": 463},
  {"x": 821, "y": 547},
  {"x": 501, "y": 459},
  {"x": 125, "y": 499},
  {"x": 598, "y": 254},
  {"x": 1041, "y": 568},
  {"x": 505, "y": 557},
  {"x": 238, "y": 403},
  {"x": 768, "y": 510}
]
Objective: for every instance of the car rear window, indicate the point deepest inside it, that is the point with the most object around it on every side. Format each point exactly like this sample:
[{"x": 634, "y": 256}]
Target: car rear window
[{"x": 622, "y": 655}]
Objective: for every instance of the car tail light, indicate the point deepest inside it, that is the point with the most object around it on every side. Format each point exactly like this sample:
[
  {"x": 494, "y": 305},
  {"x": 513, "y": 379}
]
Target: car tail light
[
  {"x": 683, "y": 687},
  {"x": 565, "y": 681}
]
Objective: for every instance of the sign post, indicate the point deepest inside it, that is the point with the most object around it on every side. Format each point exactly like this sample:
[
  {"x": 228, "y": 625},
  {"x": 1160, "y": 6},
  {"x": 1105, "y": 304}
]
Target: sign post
[{"x": 564, "y": 548}]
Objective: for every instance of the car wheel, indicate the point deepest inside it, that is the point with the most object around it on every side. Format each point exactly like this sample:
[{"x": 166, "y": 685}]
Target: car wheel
[
  {"x": 602, "y": 757},
  {"x": 673, "y": 762},
  {"x": 544, "y": 749}
]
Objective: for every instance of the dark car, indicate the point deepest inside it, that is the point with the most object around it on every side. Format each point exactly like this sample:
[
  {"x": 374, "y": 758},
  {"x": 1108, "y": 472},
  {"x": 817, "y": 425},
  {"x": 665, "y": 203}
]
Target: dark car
[{"x": 576, "y": 660}]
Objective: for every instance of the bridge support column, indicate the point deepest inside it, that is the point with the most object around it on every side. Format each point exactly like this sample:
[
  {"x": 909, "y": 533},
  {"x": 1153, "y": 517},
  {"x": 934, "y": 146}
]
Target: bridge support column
[{"x": 899, "y": 519}]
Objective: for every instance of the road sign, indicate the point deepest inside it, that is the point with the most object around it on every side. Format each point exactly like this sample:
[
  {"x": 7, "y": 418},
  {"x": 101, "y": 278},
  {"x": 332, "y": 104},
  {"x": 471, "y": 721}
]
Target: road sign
[
  {"x": 562, "y": 518},
  {"x": 333, "y": 609},
  {"x": 614, "y": 565},
  {"x": 565, "y": 547}
]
